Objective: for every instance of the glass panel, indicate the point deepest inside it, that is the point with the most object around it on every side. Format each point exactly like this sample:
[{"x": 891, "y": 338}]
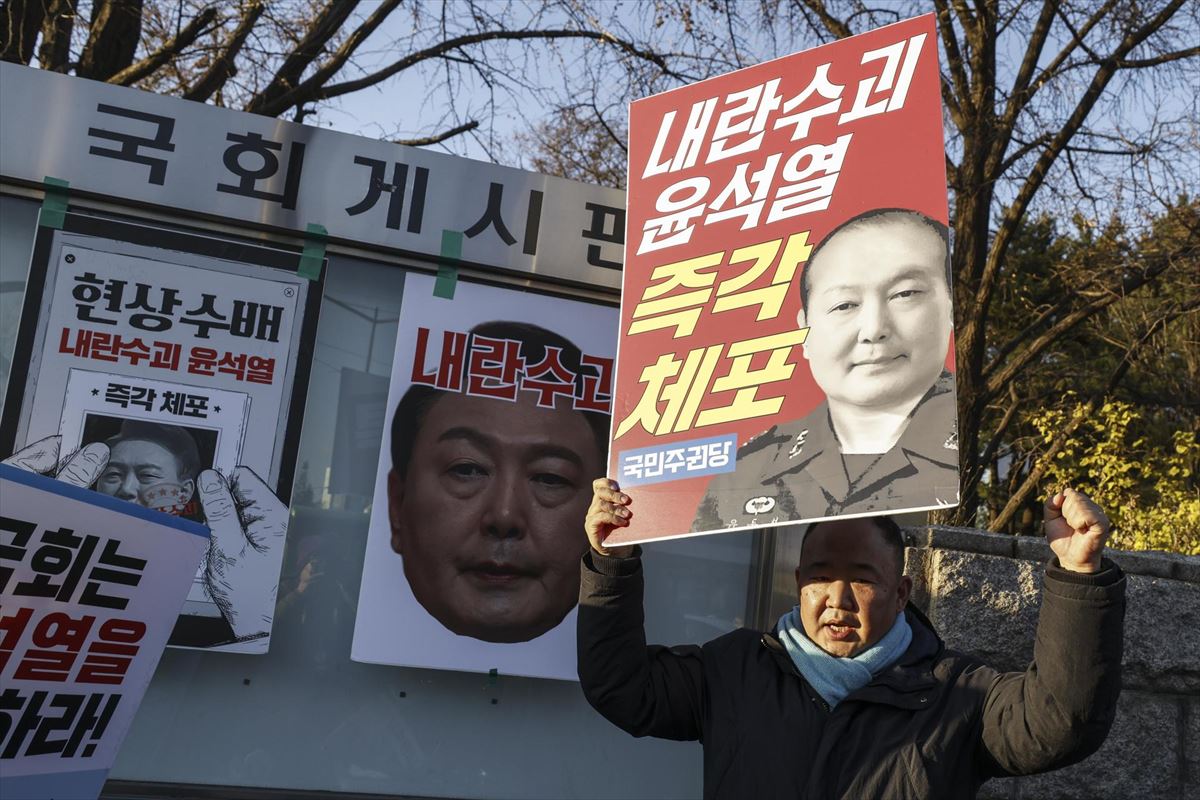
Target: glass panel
[
  {"x": 305, "y": 717},
  {"x": 18, "y": 224}
]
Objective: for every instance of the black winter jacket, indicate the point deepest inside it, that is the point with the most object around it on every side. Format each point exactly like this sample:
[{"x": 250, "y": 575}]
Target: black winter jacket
[{"x": 936, "y": 724}]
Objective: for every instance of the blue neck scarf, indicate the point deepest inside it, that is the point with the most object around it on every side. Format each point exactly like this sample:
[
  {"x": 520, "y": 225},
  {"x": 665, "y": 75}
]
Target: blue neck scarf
[{"x": 831, "y": 677}]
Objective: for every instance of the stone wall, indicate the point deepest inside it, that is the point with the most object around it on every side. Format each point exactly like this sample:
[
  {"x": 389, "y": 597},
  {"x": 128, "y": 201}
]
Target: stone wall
[{"x": 982, "y": 592}]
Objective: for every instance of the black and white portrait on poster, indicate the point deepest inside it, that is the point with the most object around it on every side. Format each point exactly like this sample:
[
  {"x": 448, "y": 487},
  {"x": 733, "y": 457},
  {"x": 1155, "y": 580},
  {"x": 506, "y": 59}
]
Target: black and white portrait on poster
[{"x": 169, "y": 363}]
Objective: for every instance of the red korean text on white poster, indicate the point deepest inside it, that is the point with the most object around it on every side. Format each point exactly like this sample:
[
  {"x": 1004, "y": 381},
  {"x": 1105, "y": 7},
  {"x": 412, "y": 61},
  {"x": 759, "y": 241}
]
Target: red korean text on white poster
[
  {"x": 786, "y": 322},
  {"x": 177, "y": 362},
  {"x": 497, "y": 415}
]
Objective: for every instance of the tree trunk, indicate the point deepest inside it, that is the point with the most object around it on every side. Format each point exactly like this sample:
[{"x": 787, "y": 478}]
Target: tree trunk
[
  {"x": 113, "y": 38},
  {"x": 55, "y": 52},
  {"x": 20, "y": 21}
]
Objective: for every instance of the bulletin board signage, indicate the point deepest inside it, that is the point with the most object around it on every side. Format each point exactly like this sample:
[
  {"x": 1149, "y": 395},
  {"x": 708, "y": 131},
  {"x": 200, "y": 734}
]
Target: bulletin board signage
[
  {"x": 786, "y": 327},
  {"x": 183, "y": 360},
  {"x": 90, "y": 587},
  {"x": 115, "y": 141}
]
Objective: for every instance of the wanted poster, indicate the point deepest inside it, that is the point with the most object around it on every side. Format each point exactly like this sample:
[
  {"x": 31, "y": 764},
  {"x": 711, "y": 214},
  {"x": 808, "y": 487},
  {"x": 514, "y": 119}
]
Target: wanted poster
[
  {"x": 90, "y": 587},
  {"x": 175, "y": 363},
  {"x": 497, "y": 421},
  {"x": 786, "y": 323}
]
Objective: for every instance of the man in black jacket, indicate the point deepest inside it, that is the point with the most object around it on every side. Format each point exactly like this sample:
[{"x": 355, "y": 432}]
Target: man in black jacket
[{"x": 853, "y": 695}]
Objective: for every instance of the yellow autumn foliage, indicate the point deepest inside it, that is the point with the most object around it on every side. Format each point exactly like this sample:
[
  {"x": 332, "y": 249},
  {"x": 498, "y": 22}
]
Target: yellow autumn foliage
[{"x": 1150, "y": 494}]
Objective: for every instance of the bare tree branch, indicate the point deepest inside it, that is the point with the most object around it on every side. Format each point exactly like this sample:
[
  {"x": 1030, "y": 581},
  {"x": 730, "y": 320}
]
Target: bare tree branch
[
  {"x": 972, "y": 477},
  {"x": 223, "y": 67},
  {"x": 323, "y": 27},
  {"x": 1037, "y": 346},
  {"x": 951, "y": 95},
  {"x": 1016, "y": 211},
  {"x": 271, "y": 103},
  {"x": 1140, "y": 63},
  {"x": 457, "y": 42},
  {"x": 440, "y": 137},
  {"x": 1021, "y": 494},
  {"x": 832, "y": 24},
  {"x": 1025, "y": 149},
  {"x": 1004, "y": 350},
  {"x": 1052, "y": 69},
  {"x": 1019, "y": 93},
  {"x": 169, "y": 50}
]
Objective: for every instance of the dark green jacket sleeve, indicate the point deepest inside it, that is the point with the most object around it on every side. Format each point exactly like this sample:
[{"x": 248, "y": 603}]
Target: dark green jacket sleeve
[
  {"x": 1059, "y": 710},
  {"x": 646, "y": 691}
]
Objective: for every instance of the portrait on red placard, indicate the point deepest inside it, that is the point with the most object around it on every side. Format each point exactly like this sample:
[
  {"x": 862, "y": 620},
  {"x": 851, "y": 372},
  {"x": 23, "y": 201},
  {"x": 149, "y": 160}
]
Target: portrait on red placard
[{"x": 787, "y": 326}]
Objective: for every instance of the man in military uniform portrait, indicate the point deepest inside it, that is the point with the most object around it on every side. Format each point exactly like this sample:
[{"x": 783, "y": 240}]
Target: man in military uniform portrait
[{"x": 875, "y": 296}]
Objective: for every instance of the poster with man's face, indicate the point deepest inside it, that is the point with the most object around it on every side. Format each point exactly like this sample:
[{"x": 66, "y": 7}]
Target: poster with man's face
[
  {"x": 168, "y": 363},
  {"x": 786, "y": 321},
  {"x": 497, "y": 420}
]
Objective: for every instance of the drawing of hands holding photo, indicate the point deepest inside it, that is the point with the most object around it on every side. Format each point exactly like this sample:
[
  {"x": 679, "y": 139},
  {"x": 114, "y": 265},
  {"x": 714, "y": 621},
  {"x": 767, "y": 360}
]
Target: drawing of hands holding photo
[
  {"x": 80, "y": 468},
  {"x": 247, "y": 522}
]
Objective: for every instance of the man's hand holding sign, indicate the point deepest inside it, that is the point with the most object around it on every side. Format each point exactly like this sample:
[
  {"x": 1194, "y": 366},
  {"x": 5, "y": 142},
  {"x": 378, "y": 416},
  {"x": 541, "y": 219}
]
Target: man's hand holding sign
[{"x": 609, "y": 510}]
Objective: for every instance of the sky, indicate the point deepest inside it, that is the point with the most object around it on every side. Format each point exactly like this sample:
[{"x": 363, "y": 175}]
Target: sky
[{"x": 413, "y": 103}]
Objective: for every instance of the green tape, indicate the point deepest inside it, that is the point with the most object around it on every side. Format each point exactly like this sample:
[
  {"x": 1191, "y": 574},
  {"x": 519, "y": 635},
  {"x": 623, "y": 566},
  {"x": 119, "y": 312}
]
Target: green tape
[
  {"x": 314, "y": 252},
  {"x": 493, "y": 677},
  {"x": 54, "y": 203},
  {"x": 447, "y": 277}
]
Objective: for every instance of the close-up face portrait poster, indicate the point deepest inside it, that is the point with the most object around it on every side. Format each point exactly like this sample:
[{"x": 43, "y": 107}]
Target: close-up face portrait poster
[
  {"x": 786, "y": 321},
  {"x": 497, "y": 423}
]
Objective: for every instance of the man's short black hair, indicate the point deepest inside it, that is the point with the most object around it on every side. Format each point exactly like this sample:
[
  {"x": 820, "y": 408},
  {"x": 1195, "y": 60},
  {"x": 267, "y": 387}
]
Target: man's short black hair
[
  {"x": 172, "y": 438},
  {"x": 889, "y": 529},
  {"x": 534, "y": 339},
  {"x": 876, "y": 216}
]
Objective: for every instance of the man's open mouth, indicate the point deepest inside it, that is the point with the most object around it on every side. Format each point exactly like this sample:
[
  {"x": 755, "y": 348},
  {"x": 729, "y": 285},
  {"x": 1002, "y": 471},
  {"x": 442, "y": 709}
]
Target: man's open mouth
[{"x": 840, "y": 630}]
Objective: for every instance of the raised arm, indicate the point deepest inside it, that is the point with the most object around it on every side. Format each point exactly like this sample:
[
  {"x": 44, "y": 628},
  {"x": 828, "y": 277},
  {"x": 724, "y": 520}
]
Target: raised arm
[
  {"x": 646, "y": 691},
  {"x": 1060, "y": 709}
]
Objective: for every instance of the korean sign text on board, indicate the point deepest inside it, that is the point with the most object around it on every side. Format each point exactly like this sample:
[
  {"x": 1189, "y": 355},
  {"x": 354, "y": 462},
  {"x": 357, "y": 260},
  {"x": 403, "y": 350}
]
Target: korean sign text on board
[{"x": 136, "y": 146}]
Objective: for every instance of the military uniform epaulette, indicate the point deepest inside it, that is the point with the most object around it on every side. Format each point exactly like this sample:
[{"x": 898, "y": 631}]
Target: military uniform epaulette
[
  {"x": 795, "y": 470},
  {"x": 771, "y": 436}
]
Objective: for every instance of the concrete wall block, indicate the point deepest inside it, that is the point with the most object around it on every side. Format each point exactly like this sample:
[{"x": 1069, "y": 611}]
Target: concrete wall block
[
  {"x": 1140, "y": 758},
  {"x": 1171, "y": 566},
  {"x": 999, "y": 789},
  {"x": 1191, "y": 748},
  {"x": 986, "y": 605},
  {"x": 969, "y": 540},
  {"x": 1161, "y": 565},
  {"x": 1032, "y": 548},
  {"x": 1162, "y": 635},
  {"x": 916, "y": 564}
]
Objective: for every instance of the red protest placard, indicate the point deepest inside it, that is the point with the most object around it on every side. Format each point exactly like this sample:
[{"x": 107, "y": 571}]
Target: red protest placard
[{"x": 786, "y": 324}]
